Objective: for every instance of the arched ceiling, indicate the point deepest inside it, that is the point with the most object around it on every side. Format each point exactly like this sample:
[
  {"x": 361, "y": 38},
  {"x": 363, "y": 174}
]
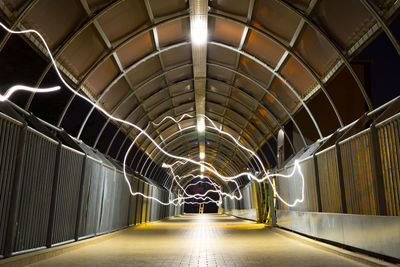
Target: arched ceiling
[{"x": 264, "y": 59}]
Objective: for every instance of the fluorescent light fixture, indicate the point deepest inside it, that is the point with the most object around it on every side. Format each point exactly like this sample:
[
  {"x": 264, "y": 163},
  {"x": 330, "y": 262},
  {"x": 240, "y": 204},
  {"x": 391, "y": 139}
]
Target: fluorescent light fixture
[
  {"x": 201, "y": 126},
  {"x": 202, "y": 168},
  {"x": 202, "y": 155},
  {"x": 199, "y": 30}
]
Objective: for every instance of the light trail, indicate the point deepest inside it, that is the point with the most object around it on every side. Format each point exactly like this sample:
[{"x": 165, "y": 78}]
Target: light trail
[
  {"x": 18, "y": 87},
  {"x": 180, "y": 159}
]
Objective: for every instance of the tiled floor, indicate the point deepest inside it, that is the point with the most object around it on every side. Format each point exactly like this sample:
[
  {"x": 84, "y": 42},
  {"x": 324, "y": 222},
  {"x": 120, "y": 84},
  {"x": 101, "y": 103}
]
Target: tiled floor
[{"x": 200, "y": 240}]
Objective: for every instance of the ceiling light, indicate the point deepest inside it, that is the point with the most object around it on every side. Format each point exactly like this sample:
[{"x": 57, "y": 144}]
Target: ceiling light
[
  {"x": 202, "y": 155},
  {"x": 201, "y": 126},
  {"x": 202, "y": 168},
  {"x": 199, "y": 30}
]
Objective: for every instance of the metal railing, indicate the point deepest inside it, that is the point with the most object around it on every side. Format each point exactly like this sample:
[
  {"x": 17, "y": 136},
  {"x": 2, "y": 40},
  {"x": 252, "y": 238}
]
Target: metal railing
[
  {"x": 358, "y": 175},
  {"x": 51, "y": 194}
]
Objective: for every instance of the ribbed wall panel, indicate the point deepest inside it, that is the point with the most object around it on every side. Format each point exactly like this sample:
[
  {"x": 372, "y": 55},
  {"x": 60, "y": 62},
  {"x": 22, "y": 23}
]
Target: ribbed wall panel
[
  {"x": 134, "y": 201},
  {"x": 329, "y": 181},
  {"x": 389, "y": 140},
  {"x": 66, "y": 207},
  {"x": 91, "y": 196},
  {"x": 9, "y": 137},
  {"x": 359, "y": 175},
  {"x": 121, "y": 203},
  {"x": 37, "y": 181},
  {"x": 107, "y": 200}
]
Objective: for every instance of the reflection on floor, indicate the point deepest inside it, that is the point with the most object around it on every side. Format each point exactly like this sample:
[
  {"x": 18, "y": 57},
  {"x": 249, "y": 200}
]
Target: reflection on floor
[{"x": 200, "y": 240}]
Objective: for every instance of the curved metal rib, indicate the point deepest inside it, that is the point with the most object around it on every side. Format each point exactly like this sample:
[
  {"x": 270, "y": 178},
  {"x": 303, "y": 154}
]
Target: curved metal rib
[
  {"x": 383, "y": 25},
  {"x": 333, "y": 45},
  {"x": 17, "y": 21},
  {"x": 299, "y": 59}
]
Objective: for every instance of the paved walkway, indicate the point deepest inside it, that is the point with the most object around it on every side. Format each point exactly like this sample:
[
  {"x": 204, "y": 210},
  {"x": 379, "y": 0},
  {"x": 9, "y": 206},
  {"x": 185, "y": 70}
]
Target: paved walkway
[{"x": 200, "y": 240}]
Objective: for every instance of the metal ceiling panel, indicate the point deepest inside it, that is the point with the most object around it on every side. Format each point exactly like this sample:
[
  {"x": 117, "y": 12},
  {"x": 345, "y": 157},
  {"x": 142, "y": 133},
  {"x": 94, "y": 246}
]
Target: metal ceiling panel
[
  {"x": 83, "y": 51},
  {"x": 144, "y": 70},
  {"x": 184, "y": 98},
  {"x": 260, "y": 125},
  {"x": 254, "y": 70},
  {"x": 219, "y": 74},
  {"x": 382, "y": 6},
  {"x": 275, "y": 19},
  {"x": 174, "y": 32},
  {"x": 136, "y": 116},
  {"x": 316, "y": 51},
  {"x": 217, "y": 54},
  {"x": 169, "y": 131},
  {"x": 186, "y": 86},
  {"x": 283, "y": 93},
  {"x": 301, "y": 4},
  {"x": 346, "y": 21},
  {"x": 187, "y": 123},
  {"x": 274, "y": 107},
  {"x": 159, "y": 109},
  {"x": 298, "y": 77},
  {"x": 214, "y": 108},
  {"x": 162, "y": 8},
  {"x": 155, "y": 99},
  {"x": 16, "y": 5},
  {"x": 266, "y": 116},
  {"x": 215, "y": 98},
  {"x": 124, "y": 19},
  {"x": 235, "y": 106},
  {"x": 233, "y": 133},
  {"x": 238, "y": 116},
  {"x": 135, "y": 50},
  {"x": 96, "y": 5},
  {"x": 102, "y": 77},
  {"x": 185, "y": 108},
  {"x": 55, "y": 18},
  {"x": 177, "y": 56},
  {"x": 232, "y": 7},
  {"x": 126, "y": 107},
  {"x": 244, "y": 99},
  {"x": 180, "y": 74},
  {"x": 263, "y": 48},
  {"x": 217, "y": 87},
  {"x": 256, "y": 135},
  {"x": 151, "y": 88},
  {"x": 225, "y": 31},
  {"x": 249, "y": 87},
  {"x": 114, "y": 96}
]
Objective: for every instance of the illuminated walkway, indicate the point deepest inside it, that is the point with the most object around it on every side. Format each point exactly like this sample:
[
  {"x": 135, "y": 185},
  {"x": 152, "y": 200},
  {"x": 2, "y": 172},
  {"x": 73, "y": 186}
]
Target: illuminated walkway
[{"x": 200, "y": 240}]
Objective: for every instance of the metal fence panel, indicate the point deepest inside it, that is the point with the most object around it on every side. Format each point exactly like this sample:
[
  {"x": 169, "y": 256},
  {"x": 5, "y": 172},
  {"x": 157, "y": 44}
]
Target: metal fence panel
[
  {"x": 134, "y": 201},
  {"x": 37, "y": 182},
  {"x": 358, "y": 174},
  {"x": 121, "y": 202},
  {"x": 67, "y": 195},
  {"x": 290, "y": 188},
  {"x": 107, "y": 199},
  {"x": 389, "y": 143},
  {"x": 91, "y": 195},
  {"x": 9, "y": 137},
  {"x": 329, "y": 181}
]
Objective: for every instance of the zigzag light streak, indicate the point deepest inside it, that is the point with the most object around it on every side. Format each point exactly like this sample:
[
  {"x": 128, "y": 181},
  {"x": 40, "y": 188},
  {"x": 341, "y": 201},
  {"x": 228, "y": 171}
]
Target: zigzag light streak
[{"x": 267, "y": 176}]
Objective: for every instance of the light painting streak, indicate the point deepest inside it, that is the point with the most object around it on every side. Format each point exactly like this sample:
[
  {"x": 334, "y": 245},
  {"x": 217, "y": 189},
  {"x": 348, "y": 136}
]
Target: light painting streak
[{"x": 180, "y": 160}]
